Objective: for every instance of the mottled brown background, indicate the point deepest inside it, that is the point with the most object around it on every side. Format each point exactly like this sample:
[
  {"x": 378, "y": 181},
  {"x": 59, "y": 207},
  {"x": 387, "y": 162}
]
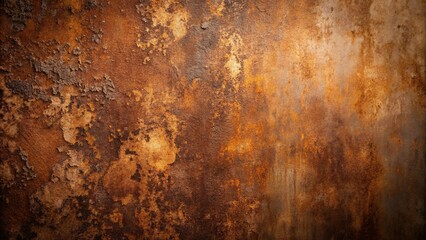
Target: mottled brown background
[{"x": 213, "y": 119}]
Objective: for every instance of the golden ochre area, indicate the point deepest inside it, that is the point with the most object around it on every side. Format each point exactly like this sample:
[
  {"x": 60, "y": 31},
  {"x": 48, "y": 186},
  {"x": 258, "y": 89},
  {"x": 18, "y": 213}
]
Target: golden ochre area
[{"x": 212, "y": 119}]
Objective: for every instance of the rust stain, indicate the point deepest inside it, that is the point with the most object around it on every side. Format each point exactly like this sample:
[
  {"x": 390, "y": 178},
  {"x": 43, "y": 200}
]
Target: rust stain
[{"x": 212, "y": 119}]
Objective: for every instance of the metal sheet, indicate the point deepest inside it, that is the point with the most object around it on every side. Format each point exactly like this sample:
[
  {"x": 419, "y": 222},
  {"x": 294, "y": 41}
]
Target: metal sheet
[{"x": 212, "y": 119}]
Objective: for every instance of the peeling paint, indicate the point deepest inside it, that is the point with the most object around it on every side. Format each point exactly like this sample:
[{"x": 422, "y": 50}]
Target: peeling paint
[{"x": 166, "y": 119}]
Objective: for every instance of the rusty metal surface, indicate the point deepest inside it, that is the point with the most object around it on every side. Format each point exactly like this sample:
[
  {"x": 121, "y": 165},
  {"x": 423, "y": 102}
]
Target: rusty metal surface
[{"x": 212, "y": 119}]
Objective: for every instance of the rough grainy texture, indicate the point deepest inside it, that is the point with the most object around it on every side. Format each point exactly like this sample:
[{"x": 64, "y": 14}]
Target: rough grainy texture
[{"x": 212, "y": 119}]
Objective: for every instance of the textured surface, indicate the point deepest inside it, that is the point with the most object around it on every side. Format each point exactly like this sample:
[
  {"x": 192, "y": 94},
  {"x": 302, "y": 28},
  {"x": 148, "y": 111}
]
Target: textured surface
[{"x": 212, "y": 119}]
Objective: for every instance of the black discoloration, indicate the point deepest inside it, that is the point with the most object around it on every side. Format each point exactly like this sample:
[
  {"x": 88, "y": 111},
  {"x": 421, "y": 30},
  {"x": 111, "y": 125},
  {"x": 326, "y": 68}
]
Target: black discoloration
[
  {"x": 1, "y": 98},
  {"x": 18, "y": 11},
  {"x": 20, "y": 87},
  {"x": 137, "y": 175}
]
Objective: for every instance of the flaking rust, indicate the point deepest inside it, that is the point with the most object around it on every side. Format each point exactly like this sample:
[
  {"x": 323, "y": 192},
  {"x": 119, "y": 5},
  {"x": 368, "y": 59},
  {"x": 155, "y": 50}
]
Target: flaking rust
[{"x": 212, "y": 119}]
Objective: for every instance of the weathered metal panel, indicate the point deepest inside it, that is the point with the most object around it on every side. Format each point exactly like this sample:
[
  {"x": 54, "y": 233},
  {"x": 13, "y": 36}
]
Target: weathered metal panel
[{"x": 213, "y": 119}]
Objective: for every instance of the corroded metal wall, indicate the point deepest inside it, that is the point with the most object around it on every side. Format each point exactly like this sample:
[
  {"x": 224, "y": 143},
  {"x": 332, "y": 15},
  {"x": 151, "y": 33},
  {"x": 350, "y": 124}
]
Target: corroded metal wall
[{"x": 212, "y": 119}]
